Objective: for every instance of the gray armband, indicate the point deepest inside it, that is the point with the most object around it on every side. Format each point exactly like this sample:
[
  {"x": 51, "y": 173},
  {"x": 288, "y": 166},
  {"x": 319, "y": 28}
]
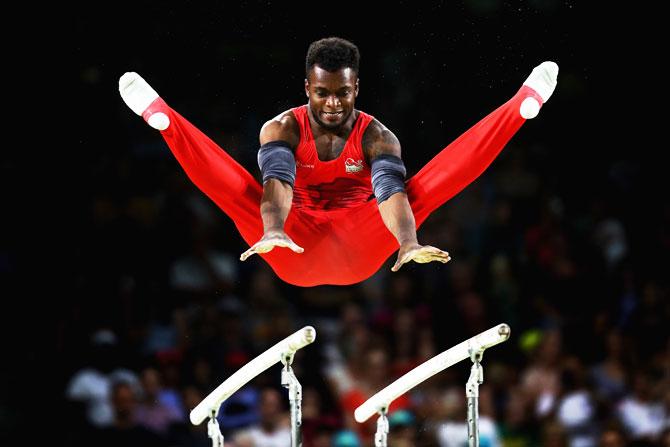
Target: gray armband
[
  {"x": 388, "y": 176},
  {"x": 276, "y": 160}
]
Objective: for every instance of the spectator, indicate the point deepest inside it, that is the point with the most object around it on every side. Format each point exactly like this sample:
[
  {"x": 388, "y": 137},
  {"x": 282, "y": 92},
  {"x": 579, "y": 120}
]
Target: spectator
[
  {"x": 152, "y": 412},
  {"x": 642, "y": 414},
  {"x": 124, "y": 430},
  {"x": 185, "y": 434},
  {"x": 576, "y": 410},
  {"x": 402, "y": 429},
  {"x": 613, "y": 436},
  {"x": 541, "y": 379},
  {"x": 453, "y": 430},
  {"x": 609, "y": 376},
  {"x": 273, "y": 430},
  {"x": 91, "y": 385},
  {"x": 375, "y": 375}
]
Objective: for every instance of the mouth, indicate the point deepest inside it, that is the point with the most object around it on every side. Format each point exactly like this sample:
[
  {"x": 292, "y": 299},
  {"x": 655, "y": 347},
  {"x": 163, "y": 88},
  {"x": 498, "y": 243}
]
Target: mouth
[{"x": 332, "y": 116}]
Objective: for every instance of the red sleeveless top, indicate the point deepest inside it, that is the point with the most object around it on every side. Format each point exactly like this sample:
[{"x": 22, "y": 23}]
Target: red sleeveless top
[{"x": 344, "y": 182}]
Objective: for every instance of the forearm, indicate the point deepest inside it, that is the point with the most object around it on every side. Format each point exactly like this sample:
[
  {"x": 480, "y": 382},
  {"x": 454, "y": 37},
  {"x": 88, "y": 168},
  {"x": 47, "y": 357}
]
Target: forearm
[
  {"x": 398, "y": 218},
  {"x": 275, "y": 204}
]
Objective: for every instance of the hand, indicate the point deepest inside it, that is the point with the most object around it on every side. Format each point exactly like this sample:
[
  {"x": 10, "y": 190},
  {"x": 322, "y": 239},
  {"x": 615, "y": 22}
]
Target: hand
[
  {"x": 419, "y": 253},
  {"x": 270, "y": 240}
]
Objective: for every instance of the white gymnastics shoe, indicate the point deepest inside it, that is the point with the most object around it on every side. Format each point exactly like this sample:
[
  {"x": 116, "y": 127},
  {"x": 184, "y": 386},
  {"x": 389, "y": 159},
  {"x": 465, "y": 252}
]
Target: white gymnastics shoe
[
  {"x": 139, "y": 95},
  {"x": 543, "y": 81}
]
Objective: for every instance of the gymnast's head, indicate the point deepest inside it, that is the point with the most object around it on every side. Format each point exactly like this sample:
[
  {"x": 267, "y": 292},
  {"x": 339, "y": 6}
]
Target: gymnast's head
[{"x": 331, "y": 82}]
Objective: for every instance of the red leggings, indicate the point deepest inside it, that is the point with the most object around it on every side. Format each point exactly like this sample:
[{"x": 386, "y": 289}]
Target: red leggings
[{"x": 342, "y": 246}]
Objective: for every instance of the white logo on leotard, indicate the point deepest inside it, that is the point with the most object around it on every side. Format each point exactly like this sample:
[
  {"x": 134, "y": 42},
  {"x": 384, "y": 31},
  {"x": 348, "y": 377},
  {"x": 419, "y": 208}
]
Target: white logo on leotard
[{"x": 351, "y": 166}]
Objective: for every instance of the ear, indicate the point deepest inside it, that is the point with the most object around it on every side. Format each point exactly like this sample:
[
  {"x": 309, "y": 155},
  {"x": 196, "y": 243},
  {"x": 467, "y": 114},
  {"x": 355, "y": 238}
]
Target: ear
[
  {"x": 356, "y": 91},
  {"x": 306, "y": 87}
]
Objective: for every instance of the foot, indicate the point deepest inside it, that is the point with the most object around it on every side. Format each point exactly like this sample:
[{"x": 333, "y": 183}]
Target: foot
[
  {"x": 542, "y": 80},
  {"x": 142, "y": 99}
]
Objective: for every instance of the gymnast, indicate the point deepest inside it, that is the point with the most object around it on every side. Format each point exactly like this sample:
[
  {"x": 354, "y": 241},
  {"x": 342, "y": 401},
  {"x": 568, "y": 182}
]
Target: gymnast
[{"x": 333, "y": 191}]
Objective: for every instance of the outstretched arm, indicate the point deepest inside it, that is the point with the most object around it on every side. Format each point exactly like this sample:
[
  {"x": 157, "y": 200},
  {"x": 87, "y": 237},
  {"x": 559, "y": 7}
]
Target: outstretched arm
[
  {"x": 277, "y": 190},
  {"x": 382, "y": 149}
]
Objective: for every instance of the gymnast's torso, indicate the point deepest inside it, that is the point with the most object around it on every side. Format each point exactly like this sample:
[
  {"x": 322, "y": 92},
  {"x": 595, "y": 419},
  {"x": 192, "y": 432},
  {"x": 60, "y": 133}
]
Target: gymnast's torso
[{"x": 340, "y": 183}]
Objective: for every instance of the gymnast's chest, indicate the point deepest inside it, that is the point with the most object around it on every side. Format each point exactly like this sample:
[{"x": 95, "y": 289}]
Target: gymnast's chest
[{"x": 329, "y": 149}]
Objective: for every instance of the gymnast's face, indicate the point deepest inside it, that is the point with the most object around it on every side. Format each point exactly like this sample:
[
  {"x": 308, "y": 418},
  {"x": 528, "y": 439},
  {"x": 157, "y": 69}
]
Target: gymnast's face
[{"x": 331, "y": 95}]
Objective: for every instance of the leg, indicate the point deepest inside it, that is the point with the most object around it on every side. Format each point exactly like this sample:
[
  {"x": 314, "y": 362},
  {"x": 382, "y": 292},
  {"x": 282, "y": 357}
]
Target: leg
[
  {"x": 210, "y": 168},
  {"x": 460, "y": 163}
]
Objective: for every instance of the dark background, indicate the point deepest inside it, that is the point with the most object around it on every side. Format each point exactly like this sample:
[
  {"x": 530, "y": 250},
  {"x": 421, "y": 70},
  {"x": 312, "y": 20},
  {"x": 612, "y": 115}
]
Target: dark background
[{"x": 428, "y": 72}]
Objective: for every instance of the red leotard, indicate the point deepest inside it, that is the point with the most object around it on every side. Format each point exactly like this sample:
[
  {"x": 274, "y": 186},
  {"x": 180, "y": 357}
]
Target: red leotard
[{"x": 335, "y": 184}]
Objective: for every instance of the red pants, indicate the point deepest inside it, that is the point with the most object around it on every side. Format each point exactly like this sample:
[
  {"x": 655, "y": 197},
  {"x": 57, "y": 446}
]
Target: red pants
[{"x": 342, "y": 246}]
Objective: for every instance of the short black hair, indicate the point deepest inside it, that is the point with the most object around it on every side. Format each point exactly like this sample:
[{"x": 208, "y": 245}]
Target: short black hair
[{"x": 332, "y": 54}]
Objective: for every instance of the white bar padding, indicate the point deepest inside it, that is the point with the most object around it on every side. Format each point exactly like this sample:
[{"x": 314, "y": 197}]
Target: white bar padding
[
  {"x": 286, "y": 347},
  {"x": 429, "y": 368}
]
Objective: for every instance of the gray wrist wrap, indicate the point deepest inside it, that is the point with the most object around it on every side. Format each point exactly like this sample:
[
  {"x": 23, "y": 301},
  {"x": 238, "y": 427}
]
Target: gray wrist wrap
[
  {"x": 388, "y": 176},
  {"x": 276, "y": 160}
]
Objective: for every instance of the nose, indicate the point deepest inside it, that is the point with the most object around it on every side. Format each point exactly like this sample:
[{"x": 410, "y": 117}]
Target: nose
[{"x": 333, "y": 102}]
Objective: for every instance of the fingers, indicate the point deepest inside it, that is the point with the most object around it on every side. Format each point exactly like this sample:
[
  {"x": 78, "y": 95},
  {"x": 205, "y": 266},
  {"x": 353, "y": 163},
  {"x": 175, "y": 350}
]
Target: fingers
[
  {"x": 423, "y": 258},
  {"x": 399, "y": 263},
  {"x": 251, "y": 251},
  {"x": 288, "y": 244},
  {"x": 295, "y": 247},
  {"x": 268, "y": 245},
  {"x": 429, "y": 254},
  {"x": 422, "y": 255},
  {"x": 435, "y": 254},
  {"x": 258, "y": 247},
  {"x": 246, "y": 254},
  {"x": 434, "y": 250}
]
